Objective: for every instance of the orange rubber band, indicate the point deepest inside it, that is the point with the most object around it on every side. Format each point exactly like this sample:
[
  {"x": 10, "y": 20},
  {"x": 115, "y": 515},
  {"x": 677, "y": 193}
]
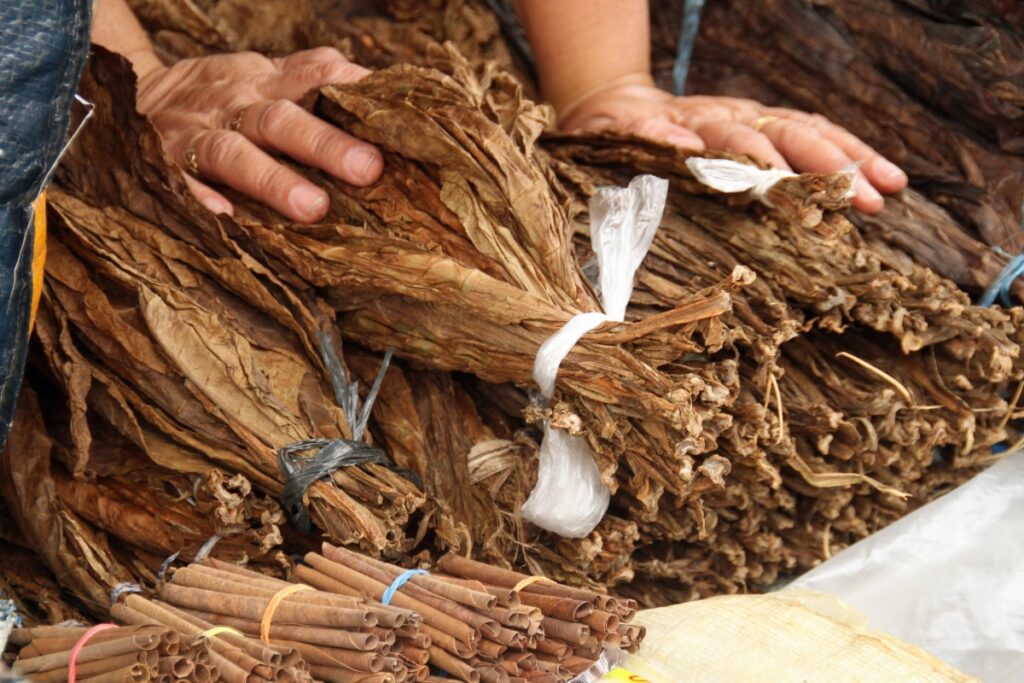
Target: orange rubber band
[
  {"x": 530, "y": 580},
  {"x": 73, "y": 657},
  {"x": 268, "y": 613}
]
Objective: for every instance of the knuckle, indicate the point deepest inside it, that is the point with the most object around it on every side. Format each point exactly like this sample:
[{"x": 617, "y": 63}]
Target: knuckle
[
  {"x": 272, "y": 179},
  {"x": 274, "y": 117},
  {"x": 341, "y": 71},
  {"x": 222, "y": 148}
]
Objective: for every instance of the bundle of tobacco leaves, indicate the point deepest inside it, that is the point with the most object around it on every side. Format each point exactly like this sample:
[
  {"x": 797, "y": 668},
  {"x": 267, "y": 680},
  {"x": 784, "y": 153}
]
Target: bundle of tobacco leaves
[
  {"x": 936, "y": 87},
  {"x": 785, "y": 382}
]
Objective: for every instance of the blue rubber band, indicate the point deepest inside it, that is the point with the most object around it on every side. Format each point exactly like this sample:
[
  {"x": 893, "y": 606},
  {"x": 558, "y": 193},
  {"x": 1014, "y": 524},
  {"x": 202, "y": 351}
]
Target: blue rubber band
[
  {"x": 400, "y": 581},
  {"x": 1001, "y": 286}
]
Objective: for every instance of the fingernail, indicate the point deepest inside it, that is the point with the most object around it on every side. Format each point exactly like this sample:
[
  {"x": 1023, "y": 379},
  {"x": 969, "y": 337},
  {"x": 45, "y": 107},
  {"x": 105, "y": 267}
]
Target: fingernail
[
  {"x": 217, "y": 205},
  {"x": 890, "y": 171},
  {"x": 360, "y": 160},
  {"x": 308, "y": 200}
]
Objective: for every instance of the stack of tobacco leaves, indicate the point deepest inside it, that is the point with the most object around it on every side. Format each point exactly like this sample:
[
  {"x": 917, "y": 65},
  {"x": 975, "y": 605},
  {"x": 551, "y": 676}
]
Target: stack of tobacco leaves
[
  {"x": 129, "y": 654},
  {"x": 474, "y": 622},
  {"x": 936, "y": 87},
  {"x": 784, "y": 383}
]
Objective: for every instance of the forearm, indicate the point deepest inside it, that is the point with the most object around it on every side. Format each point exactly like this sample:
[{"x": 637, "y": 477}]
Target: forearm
[
  {"x": 584, "y": 46},
  {"x": 115, "y": 27}
]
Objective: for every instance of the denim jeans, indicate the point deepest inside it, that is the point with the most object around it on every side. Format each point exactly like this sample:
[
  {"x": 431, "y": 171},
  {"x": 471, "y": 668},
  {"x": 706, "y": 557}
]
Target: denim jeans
[{"x": 43, "y": 46}]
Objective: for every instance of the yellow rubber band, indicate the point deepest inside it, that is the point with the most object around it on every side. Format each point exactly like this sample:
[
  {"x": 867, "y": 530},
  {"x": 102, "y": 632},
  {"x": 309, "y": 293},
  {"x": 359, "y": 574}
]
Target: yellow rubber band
[
  {"x": 217, "y": 630},
  {"x": 268, "y": 613},
  {"x": 530, "y": 580},
  {"x": 38, "y": 256}
]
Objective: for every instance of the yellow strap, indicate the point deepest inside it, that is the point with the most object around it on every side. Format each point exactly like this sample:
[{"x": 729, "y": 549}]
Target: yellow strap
[
  {"x": 38, "y": 255},
  {"x": 530, "y": 580},
  {"x": 217, "y": 630},
  {"x": 268, "y": 613}
]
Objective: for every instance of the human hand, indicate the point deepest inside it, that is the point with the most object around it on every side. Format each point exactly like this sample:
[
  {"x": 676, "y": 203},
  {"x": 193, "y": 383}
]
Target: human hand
[
  {"x": 783, "y": 138},
  {"x": 219, "y": 116}
]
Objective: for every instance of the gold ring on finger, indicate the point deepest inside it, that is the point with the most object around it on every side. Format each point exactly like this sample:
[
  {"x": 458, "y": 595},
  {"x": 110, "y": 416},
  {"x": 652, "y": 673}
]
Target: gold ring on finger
[
  {"x": 763, "y": 121},
  {"x": 236, "y": 120},
  {"x": 191, "y": 160}
]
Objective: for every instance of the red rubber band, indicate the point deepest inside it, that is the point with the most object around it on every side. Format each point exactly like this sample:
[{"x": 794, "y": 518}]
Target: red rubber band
[{"x": 73, "y": 657}]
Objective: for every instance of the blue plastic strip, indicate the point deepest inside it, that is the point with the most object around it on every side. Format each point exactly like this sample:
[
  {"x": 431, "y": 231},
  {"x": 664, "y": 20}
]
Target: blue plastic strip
[
  {"x": 400, "y": 581},
  {"x": 684, "y": 49}
]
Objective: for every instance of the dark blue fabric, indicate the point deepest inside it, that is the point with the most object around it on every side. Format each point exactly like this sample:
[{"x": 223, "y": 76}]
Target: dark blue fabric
[{"x": 43, "y": 46}]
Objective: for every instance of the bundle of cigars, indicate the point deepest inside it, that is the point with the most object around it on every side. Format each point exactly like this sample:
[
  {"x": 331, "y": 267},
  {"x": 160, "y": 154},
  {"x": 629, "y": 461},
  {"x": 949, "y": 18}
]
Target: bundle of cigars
[{"x": 343, "y": 618}]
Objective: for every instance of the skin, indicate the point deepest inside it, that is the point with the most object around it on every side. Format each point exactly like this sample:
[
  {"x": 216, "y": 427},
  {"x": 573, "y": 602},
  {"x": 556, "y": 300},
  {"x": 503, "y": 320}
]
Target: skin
[{"x": 193, "y": 103}]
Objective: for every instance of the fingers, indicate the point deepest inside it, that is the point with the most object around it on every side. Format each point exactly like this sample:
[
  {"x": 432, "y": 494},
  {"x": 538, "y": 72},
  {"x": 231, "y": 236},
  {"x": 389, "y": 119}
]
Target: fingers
[
  {"x": 299, "y": 80},
  {"x": 285, "y": 127},
  {"x": 809, "y": 150},
  {"x": 210, "y": 198},
  {"x": 736, "y": 137},
  {"x": 662, "y": 130},
  {"x": 882, "y": 173},
  {"x": 228, "y": 157}
]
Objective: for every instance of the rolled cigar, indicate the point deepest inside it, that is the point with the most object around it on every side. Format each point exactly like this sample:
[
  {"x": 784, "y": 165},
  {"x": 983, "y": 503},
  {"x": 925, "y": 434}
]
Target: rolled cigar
[
  {"x": 420, "y": 640},
  {"x": 448, "y": 643},
  {"x": 540, "y": 676},
  {"x": 178, "y": 667},
  {"x": 577, "y": 664},
  {"x": 611, "y": 638},
  {"x": 393, "y": 664},
  {"x": 553, "y": 647},
  {"x": 456, "y": 592},
  {"x": 198, "y": 578},
  {"x": 566, "y": 609},
  {"x": 510, "y": 638},
  {"x": 456, "y": 667},
  {"x": 89, "y": 653},
  {"x": 45, "y": 646},
  {"x": 421, "y": 673},
  {"x": 489, "y": 574},
  {"x": 332, "y": 675},
  {"x": 513, "y": 618},
  {"x": 491, "y": 673},
  {"x": 347, "y": 640},
  {"x": 259, "y": 651},
  {"x": 254, "y": 608},
  {"x": 95, "y": 668},
  {"x": 134, "y": 609},
  {"x": 506, "y": 596},
  {"x": 590, "y": 648},
  {"x": 599, "y": 620},
  {"x": 136, "y": 673},
  {"x": 510, "y": 667},
  {"x": 201, "y": 673},
  {"x": 550, "y": 667},
  {"x": 237, "y": 569},
  {"x": 568, "y": 631},
  {"x": 170, "y": 643},
  {"x": 461, "y": 631},
  {"x": 487, "y": 626},
  {"x": 525, "y": 660},
  {"x": 489, "y": 648},
  {"x": 387, "y": 636},
  {"x": 416, "y": 655},
  {"x": 387, "y": 616},
  {"x": 351, "y": 660}
]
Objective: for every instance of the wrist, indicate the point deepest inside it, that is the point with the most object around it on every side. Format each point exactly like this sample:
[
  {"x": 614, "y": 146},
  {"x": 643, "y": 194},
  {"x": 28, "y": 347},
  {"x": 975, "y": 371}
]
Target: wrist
[
  {"x": 144, "y": 62},
  {"x": 577, "y": 99}
]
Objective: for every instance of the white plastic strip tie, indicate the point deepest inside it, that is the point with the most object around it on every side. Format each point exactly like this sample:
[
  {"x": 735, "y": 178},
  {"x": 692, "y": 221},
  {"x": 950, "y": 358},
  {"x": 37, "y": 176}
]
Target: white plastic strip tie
[
  {"x": 732, "y": 177},
  {"x": 570, "y": 498}
]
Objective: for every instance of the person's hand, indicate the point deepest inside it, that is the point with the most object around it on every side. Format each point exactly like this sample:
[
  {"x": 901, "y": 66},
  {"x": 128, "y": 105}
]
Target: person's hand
[
  {"x": 219, "y": 117},
  {"x": 783, "y": 138}
]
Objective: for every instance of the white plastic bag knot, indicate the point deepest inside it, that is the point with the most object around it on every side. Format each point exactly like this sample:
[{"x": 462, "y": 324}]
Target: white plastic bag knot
[{"x": 570, "y": 498}]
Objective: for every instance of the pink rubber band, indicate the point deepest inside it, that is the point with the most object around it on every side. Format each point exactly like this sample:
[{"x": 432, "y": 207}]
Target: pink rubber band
[{"x": 73, "y": 657}]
